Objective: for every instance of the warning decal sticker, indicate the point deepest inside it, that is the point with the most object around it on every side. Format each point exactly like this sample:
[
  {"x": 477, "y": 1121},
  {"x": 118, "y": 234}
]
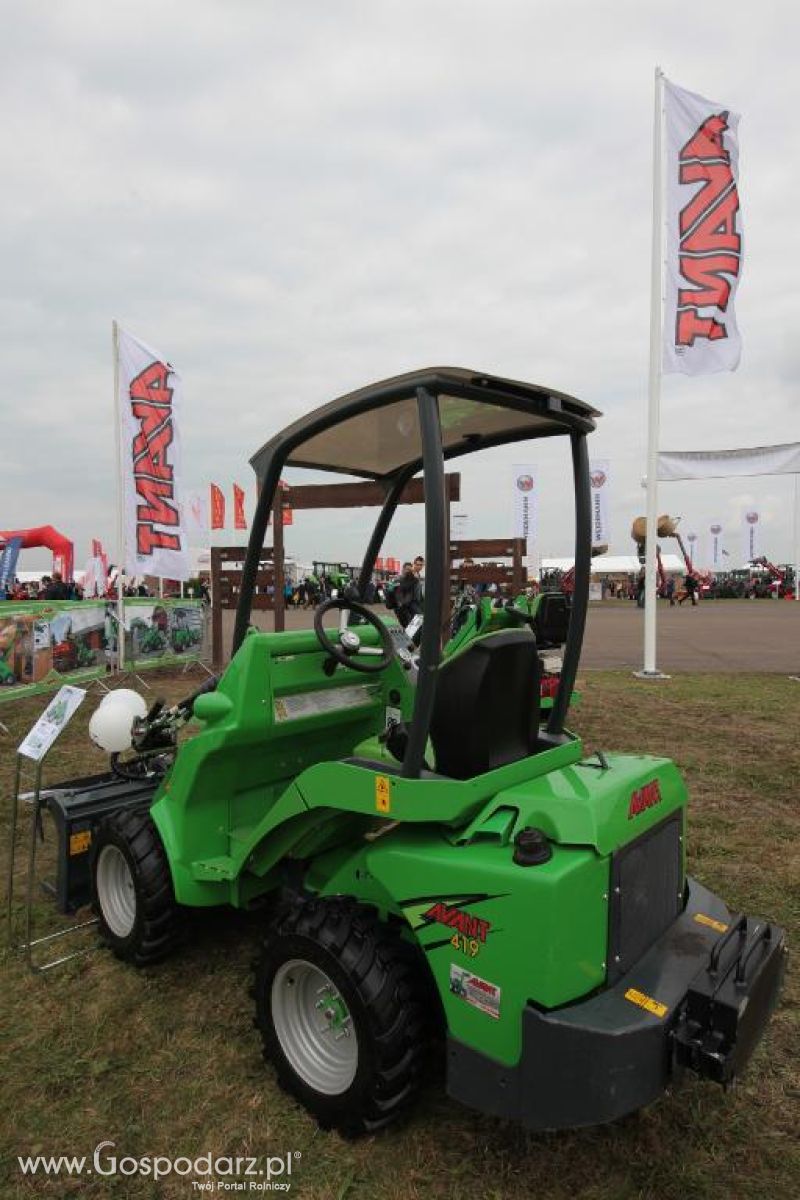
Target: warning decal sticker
[
  {"x": 646, "y": 1002},
  {"x": 476, "y": 991}
]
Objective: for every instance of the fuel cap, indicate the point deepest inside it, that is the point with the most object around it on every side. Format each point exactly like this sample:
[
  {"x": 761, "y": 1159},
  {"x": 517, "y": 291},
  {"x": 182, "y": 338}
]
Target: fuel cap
[{"x": 531, "y": 847}]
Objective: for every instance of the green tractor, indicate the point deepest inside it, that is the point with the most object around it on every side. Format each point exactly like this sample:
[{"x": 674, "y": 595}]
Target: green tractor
[
  {"x": 338, "y": 574},
  {"x": 444, "y": 860}
]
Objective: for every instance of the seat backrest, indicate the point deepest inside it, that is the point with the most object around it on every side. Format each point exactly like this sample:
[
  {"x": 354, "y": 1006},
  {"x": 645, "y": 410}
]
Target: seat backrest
[
  {"x": 486, "y": 712},
  {"x": 552, "y": 620}
]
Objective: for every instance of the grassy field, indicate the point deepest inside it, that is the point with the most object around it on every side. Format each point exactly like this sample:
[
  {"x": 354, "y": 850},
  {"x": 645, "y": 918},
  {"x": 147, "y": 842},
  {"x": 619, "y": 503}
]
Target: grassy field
[{"x": 167, "y": 1062}]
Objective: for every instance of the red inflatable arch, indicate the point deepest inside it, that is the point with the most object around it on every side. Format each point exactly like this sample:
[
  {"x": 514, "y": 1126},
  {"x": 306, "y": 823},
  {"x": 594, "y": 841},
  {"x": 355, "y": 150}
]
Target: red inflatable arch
[{"x": 51, "y": 539}]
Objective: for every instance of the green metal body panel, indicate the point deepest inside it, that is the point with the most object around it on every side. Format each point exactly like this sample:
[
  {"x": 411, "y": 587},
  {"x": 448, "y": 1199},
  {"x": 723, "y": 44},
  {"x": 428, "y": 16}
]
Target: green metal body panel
[
  {"x": 234, "y": 783},
  {"x": 547, "y": 926},
  {"x": 264, "y": 792}
]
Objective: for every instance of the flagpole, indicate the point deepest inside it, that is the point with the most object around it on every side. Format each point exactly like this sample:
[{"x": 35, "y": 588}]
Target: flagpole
[
  {"x": 120, "y": 504},
  {"x": 650, "y": 669},
  {"x": 797, "y": 537}
]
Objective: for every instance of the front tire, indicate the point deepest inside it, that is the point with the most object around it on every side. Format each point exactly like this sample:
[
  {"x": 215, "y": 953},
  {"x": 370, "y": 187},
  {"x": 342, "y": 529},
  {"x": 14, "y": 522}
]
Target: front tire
[
  {"x": 132, "y": 894},
  {"x": 341, "y": 1007}
]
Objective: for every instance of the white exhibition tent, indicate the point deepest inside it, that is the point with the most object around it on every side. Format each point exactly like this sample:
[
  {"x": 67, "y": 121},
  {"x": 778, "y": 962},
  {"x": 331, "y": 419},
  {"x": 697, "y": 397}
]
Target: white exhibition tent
[{"x": 615, "y": 564}]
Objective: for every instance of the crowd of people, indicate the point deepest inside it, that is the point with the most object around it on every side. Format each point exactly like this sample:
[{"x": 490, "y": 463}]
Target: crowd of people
[
  {"x": 49, "y": 587},
  {"x": 403, "y": 594},
  {"x": 54, "y": 587}
]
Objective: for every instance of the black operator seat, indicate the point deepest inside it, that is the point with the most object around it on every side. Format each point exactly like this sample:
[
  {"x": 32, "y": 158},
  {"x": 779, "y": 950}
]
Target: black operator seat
[
  {"x": 486, "y": 711},
  {"x": 552, "y": 620}
]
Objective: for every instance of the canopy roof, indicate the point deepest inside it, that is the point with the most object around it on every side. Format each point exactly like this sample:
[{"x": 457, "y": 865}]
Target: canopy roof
[{"x": 374, "y": 432}]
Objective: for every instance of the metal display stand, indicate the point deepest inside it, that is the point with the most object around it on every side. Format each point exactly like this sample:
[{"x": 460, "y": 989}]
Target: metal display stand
[
  {"x": 38, "y": 801},
  {"x": 31, "y": 755}
]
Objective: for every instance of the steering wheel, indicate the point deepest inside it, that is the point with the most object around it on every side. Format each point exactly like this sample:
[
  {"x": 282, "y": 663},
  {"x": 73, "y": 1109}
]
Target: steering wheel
[{"x": 348, "y": 650}]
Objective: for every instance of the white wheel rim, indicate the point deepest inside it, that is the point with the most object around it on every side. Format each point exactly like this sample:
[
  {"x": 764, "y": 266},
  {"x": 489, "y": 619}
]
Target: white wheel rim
[
  {"x": 314, "y": 1027},
  {"x": 116, "y": 893}
]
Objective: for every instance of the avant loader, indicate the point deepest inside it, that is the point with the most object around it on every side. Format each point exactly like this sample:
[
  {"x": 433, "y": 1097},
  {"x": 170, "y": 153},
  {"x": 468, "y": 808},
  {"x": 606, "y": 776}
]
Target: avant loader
[{"x": 444, "y": 859}]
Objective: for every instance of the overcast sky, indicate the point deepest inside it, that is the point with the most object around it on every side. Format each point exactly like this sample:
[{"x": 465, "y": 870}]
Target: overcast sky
[{"x": 292, "y": 200}]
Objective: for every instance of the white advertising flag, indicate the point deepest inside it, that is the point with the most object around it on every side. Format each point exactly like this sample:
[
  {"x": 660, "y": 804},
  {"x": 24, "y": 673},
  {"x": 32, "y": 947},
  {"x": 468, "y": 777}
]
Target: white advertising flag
[
  {"x": 725, "y": 464},
  {"x": 195, "y": 514},
  {"x": 751, "y": 540},
  {"x": 94, "y": 579},
  {"x": 600, "y": 476},
  {"x": 704, "y": 234},
  {"x": 717, "y": 552},
  {"x": 150, "y": 395},
  {"x": 459, "y": 526},
  {"x": 525, "y": 503}
]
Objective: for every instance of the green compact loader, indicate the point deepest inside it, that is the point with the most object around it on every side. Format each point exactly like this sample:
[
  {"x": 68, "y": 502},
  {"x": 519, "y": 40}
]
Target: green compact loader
[{"x": 443, "y": 860}]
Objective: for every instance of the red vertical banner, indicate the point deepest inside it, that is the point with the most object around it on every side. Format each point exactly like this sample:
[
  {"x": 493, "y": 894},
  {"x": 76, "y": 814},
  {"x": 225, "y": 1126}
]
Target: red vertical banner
[
  {"x": 379, "y": 564},
  {"x": 217, "y": 507},
  {"x": 239, "y": 519},
  {"x": 287, "y": 516}
]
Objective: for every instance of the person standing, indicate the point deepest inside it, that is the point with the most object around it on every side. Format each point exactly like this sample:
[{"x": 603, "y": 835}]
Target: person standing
[
  {"x": 408, "y": 591},
  {"x": 690, "y": 589},
  {"x": 56, "y": 588}
]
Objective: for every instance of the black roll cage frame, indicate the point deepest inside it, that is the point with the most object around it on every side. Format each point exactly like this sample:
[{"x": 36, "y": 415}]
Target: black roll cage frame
[{"x": 271, "y": 459}]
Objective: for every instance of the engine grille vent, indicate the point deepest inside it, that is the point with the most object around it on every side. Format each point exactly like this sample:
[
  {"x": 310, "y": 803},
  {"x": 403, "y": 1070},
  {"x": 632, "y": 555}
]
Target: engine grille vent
[{"x": 646, "y": 893}]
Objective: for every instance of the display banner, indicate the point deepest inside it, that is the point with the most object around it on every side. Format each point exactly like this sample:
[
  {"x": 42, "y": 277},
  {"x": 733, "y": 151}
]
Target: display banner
[
  {"x": 150, "y": 398},
  {"x": 723, "y": 464},
  {"x": 239, "y": 519},
  {"x": 600, "y": 475},
  {"x": 751, "y": 535},
  {"x": 693, "y": 547},
  {"x": 703, "y": 235},
  {"x": 46, "y": 643},
  {"x": 217, "y": 497},
  {"x": 8, "y": 563},
  {"x": 196, "y": 517},
  {"x": 160, "y": 632},
  {"x": 717, "y": 552},
  {"x": 524, "y": 477}
]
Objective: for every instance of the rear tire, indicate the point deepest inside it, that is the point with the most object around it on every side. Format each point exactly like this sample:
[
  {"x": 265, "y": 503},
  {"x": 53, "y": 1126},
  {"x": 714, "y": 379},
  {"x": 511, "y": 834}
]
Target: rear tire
[
  {"x": 132, "y": 894},
  {"x": 341, "y": 1006}
]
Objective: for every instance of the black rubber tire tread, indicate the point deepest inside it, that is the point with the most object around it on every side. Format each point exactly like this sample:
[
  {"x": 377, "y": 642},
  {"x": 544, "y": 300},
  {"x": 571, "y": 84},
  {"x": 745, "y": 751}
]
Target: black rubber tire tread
[
  {"x": 383, "y": 982},
  {"x": 158, "y": 925}
]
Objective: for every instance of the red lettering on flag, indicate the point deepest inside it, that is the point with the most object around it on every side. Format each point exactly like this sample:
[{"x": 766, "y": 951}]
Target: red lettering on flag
[
  {"x": 151, "y": 405},
  {"x": 710, "y": 247}
]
